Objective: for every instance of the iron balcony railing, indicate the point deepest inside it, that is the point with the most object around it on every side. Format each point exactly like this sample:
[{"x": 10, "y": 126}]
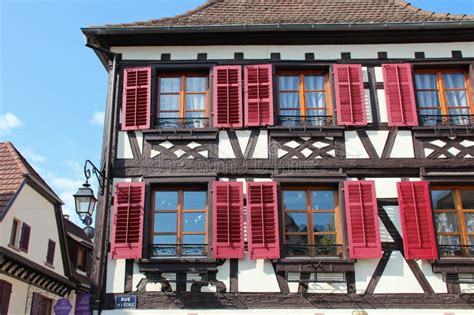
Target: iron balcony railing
[
  {"x": 184, "y": 123},
  {"x": 446, "y": 120},
  {"x": 312, "y": 250},
  {"x": 456, "y": 250},
  {"x": 179, "y": 250},
  {"x": 305, "y": 121}
]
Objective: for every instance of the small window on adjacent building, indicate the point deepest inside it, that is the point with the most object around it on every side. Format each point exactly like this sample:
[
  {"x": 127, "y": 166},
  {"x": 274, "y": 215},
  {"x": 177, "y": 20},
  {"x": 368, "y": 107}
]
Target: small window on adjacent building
[
  {"x": 50, "y": 253},
  {"x": 304, "y": 98},
  {"x": 5, "y": 293},
  {"x": 311, "y": 220},
  {"x": 81, "y": 259},
  {"x": 443, "y": 97},
  {"x": 179, "y": 222},
  {"x": 454, "y": 218},
  {"x": 183, "y": 101},
  {"x": 15, "y": 233},
  {"x": 41, "y": 305},
  {"x": 25, "y": 237}
]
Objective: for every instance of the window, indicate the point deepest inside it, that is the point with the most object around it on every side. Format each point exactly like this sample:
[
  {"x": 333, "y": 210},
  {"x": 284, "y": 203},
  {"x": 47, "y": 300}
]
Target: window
[
  {"x": 15, "y": 234},
  {"x": 81, "y": 261},
  {"x": 41, "y": 305},
  {"x": 50, "y": 253},
  {"x": 5, "y": 293},
  {"x": 454, "y": 220},
  {"x": 443, "y": 97},
  {"x": 183, "y": 101},
  {"x": 25, "y": 237},
  {"x": 179, "y": 222},
  {"x": 311, "y": 222},
  {"x": 304, "y": 98}
]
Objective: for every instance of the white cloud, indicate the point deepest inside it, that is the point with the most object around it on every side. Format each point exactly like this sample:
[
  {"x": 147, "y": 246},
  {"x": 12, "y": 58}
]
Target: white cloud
[
  {"x": 8, "y": 121},
  {"x": 31, "y": 156},
  {"x": 98, "y": 118}
]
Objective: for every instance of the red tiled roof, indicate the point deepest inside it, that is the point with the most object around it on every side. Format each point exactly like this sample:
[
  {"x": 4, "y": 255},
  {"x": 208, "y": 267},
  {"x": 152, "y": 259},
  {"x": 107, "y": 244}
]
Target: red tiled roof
[
  {"x": 76, "y": 230},
  {"x": 13, "y": 170},
  {"x": 266, "y": 12}
]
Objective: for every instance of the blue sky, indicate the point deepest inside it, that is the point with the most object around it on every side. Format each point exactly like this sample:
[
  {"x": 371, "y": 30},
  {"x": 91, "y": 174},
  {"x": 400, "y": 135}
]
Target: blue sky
[{"x": 53, "y": 89}]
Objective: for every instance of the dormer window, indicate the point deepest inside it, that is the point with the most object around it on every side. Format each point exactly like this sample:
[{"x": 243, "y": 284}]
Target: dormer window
[{"x": 183, "y": 101}]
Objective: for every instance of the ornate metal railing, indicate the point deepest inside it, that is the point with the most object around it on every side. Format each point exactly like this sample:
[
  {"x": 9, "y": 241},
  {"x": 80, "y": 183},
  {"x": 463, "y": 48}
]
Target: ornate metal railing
[
  {"x": 446, "y": 120},
  {"x": 312, "y": 250},
  {"x": 456, "y": 250},
  {"x": 185, "y": 123},
  {"x": 305, "y": 121},
  {"x": 179, "y": 250}
]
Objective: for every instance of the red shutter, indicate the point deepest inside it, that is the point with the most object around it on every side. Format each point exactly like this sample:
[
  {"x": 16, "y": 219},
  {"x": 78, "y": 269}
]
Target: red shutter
[
  {"x": 5, "y": 292},
  {"x": 127, "y": 228},
  {"x": 262, "y": 221},
  {"x": 227, "y": 96},
  {"x": 25, "y": 237},
  {"x": 50, "y": 252},
  {"x": 228, "y": 220},
  {"x": 400, "y": 95},
  {"x": 350, "y": 98},
  {"x": 258, "y": 95},
  {"x": 419, "y": 240},
  {"x": 362, "y": 219},
  {"x": 136, "y": 98}
]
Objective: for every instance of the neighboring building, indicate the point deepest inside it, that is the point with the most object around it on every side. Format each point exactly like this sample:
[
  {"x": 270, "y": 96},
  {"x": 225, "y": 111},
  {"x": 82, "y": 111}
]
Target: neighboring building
[
  {"x": 34, "y": 264},
  {"x": 288, "y": 155}
]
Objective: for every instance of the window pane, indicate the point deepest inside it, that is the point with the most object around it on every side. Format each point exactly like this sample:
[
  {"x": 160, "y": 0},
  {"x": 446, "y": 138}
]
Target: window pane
[
  {"x": 428, "y": 99},
  {"x": 164, "y": 245},
  {"x": 194, "y": 222},
  {"x": 315, "y": 114},
  {"x": 166, "y": 200},
  {"x": 194, "y": 200},
  {"x": 315, "y": 99},
  {"x": 288, "y": 83},
  {"x": 314, "y": 82},
  {"x": 197, "y": 247},
  {"x": 324, "y": 222},
  {"x": 296, "y": 222},
  {"x": 446, "y": 222},
  {"x": 296, "y": 245},
  {"x": 295, "y": 113},
  {"x": 467, "y": 197},
  {"x": 294, "y": 200},
  {"x": 171, "y": 115},
  {"x": 456, "y": 98},
  {"x": 448, "y": 240},
  {"x": 195, "y": 102},
  {"x": 425, "y": 81},
  {"x": 322, "y": 200},
  {"x": 169, "y": 102},
  {"x": 170, "y": 85},
  {"x": 325, "y": 239},
  {"x": 289, "y": 100},
  {"x": 165, "y": 222},
  {"x": 196, "y": 84},
  {"x": 453, "y": 80},
  {"x": 469, "y": 220},
  {"x": 442, "y": 199},
  {"x": 470, "y": 239}
]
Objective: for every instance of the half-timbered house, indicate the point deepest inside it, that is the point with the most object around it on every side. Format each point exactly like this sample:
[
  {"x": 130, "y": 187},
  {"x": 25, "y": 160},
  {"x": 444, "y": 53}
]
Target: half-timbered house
[{"x": 313, "y": 154}]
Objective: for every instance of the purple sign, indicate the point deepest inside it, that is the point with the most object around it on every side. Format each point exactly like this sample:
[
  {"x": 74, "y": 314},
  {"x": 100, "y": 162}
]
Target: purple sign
[
  {"x": 62, "y": 307},
  {"x": 83, "y": 305}
]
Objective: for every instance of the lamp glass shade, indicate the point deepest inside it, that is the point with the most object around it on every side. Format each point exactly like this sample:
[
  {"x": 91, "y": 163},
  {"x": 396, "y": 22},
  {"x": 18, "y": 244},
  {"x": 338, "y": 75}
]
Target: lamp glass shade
[{"x": 85, "y": 202}]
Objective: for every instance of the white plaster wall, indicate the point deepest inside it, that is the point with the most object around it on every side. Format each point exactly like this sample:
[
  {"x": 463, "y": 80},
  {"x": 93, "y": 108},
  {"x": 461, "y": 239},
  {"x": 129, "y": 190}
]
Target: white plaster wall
[
  {"x": 432, "y": 50},
  {"x": 467, "y": 288},
  {"x": 364, "y": 269},
  {"x": 378, "y": 139},
  {"x": 115, "y": 276},
  {"x": 137, "y": 276},
  {"x": 223, "y": 274},
  {"x": 382, "y": 106},
  {"x": 124, "y": 149},
  {"x": 434, "y": 279},
  {"x": 386, "y": 187},
  {"x": 257, "y": 276},
  {"x": 30, "y": 207},
  {"x": 18, "y": 297},
  {"x": 354, "y": 147},
  {"x": 403, "y": 145},
  {"x": 225, "y": 148},
  {"x": 261, "y": 148}
]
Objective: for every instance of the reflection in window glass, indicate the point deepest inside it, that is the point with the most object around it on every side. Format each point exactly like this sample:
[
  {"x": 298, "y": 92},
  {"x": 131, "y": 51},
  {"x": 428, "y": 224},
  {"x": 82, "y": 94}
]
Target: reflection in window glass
[
  {"x": 294, "y": 200},
  {"x": 165, "y": 222},
  {"x": 194, "y": 200},
  {"x": 469, "y": 222},
  {"x": 165, "y": 245},
  {"x": 446, "y": 222},
  {"x": 324, "y": 222},
  {"x": 166, "y": 200},
  {"x": 322, "y": 200},
  {"x": 170, "y": 85},
  {"x": 467, "y": 198},
  {"x": 193, "y": 245},
  {"x": 442, "y": 199},
  {"x": 194, "y": 222},
  {"x": 296, "y": 222},
  {"x": 196, "y": 84}
]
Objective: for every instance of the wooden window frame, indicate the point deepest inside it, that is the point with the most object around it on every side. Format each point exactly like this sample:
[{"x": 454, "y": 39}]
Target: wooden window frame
[
  {"x": 302, "y": 90},
  {"x": 15, "y": 234},
  {"x": 182, "y": 93},
  {"x": 441, "y": 90},
  {"x": 460, "y": 211},
  {"x": 179, "y": 212},
  {"x": 50, "y": 263},
  {"x": 310, "y": 234},
  {"x": 81, "y": 260},
  {"x": 42, "y": 299}
]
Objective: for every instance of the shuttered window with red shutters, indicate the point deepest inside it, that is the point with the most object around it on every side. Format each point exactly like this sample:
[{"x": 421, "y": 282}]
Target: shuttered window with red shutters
[
  {"x": 258, "y": 95},
  {"x": 25, "y": 237},
  {"x": 416, "y": 217},
  {"x": 5, "y": 293},
  {"x": 127, "y": 228},
  {"x": 400, "y": 95},
  {"x": 227, "y": 96},
  {"x": 362, "y": 219},
  {"x": 350, "y": 98},
  {"x": 228, "y": 220},
  {"x": 262, "y": 221},
  {"x": 136, "y": 98}
]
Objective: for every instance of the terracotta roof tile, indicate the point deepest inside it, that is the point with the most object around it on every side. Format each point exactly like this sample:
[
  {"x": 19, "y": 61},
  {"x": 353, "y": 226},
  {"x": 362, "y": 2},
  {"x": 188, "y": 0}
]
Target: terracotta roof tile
[{"x": 264, "y": 12}]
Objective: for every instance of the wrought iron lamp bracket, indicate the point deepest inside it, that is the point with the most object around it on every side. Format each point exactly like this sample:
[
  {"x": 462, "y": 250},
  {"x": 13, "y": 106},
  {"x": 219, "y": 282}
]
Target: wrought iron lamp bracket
[{"x": 90, "y": 169}]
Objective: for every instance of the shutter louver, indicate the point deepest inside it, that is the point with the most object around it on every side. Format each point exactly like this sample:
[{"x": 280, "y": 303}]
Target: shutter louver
[
  {"x": 258, "y": 95},
  {"x": 262, "y": 221},
  {"x": 419, "y": 240},
  {"x": 5, "y": 292},
  {"x": 400, "y": 95},
  {"x": 227, "y": 96},
  {"x": 25, "y": 237},
  {"x": 50, "y": 253},
  {"x": 136, "y": 99},
  {"x": 362, "y": 219},
  {"x": 228, "y": 220},
  {"x": 127, "y": 228},
  {"x": 350, "y": 97}
]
